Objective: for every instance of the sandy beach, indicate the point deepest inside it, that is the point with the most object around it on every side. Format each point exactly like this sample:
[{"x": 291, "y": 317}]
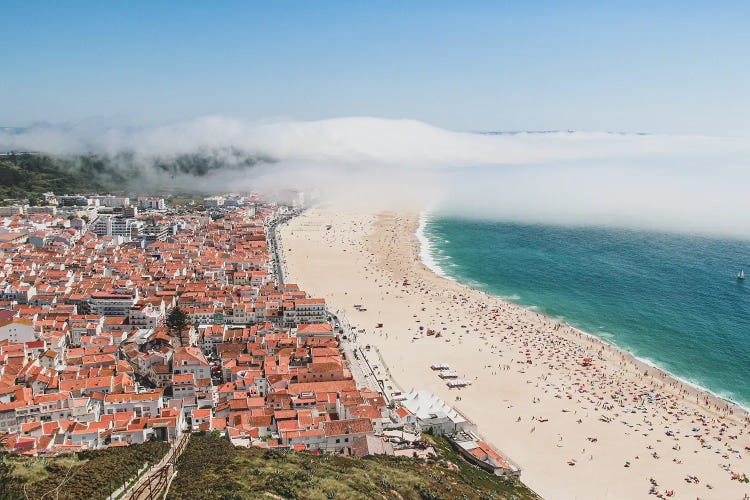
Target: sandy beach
[{"x": 600, "y": 431}]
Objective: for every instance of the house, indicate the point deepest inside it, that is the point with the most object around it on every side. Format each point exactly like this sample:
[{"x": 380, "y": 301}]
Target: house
[
  {"x": 340, "y": 434},
  {"x": 201, "y": 419},
  {"x": 434, "y": 414},
  {"x": 146, "y": 316},
  {"x": 116, "y": 303},
  {"x": 401, "y": 416},
  {"x": 190, "y": 360},
  {"x": 89, "y": 435},
  {"x": 301, "y": 311},
  {"x": 160, "y": 375},
  {"x": 369, "y": 445},
  {"x": 183, "y": 385},
  {"x": 209, "y": 336},
  {"x": 480, "y": 453},
  {"x": 145, "y": 404},
  {"x": 17, "y": 330},
  {"x": 314, "y": 330},
  {"x": 136, "y": 431}
]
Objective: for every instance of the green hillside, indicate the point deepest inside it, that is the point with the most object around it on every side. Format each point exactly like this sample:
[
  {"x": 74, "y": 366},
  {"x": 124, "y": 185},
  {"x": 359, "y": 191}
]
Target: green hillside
[
  {"x": 211, "y": 468},
  {"x": 83, "y": 476},
  {"x": 28, "y": 175}
]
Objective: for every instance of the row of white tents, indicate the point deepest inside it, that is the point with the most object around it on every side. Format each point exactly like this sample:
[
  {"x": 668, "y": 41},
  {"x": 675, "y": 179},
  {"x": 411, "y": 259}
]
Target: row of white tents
[{"x": 451, "y": 375}]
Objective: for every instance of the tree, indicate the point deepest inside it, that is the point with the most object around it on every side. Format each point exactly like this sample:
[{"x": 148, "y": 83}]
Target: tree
[
  {"x": 84, "y": 308},
  {"x": 177, "y": 321}
]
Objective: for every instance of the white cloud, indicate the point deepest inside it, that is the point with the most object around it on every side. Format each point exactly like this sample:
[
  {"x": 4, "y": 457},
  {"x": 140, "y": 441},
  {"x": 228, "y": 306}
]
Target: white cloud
[{"x": 683, "y": 183}]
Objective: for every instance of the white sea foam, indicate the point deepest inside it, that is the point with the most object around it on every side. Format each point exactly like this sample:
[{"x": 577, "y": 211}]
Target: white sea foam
[
  {"x": 610, "y": 339},
  {"x": 728, "y": 397},
  {"x": 426, "y": 250}
]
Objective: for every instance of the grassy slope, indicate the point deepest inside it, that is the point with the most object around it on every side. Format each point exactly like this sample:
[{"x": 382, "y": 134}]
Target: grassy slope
[
  {"x": 87, "y": 475},
  {"x": 211, "y": 468}
]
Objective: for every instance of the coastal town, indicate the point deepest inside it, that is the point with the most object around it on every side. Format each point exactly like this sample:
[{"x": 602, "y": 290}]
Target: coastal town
[
  {"x": 274, "y": 325},
  {"x": 125, "y": 321}
]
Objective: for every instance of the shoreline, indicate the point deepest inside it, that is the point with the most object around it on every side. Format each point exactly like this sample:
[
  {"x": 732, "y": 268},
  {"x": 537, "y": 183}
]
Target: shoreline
[
  {"x": 365, "y": 258},
  {"x": 425, "y": 252}
]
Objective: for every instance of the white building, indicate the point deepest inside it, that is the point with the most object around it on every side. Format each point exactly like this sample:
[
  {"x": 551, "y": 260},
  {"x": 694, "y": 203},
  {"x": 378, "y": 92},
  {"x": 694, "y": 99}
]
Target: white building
[
  {"x": 214, "y": 201},
  {"x": 112, "y": 225},
  {"x": 17, "y": 331},
  {"x": 151, "y": 203},
  {"x": 20, "y": 293},
  {"x": 46, "y": 408},
  {"x": 191, "y": 360},
  {"x": 75, "y": 200},
  {"x": 145, "y": 404},
  {"x": 112, "y": 303},
  {"x": 114, "y": 201},
  {"x": 340, "y": 434},
  {"x": 145, "y": 316},
  {"x": 305, "y": 311},
  {"x": 47, "y": 209},
  {"x": 11, "y": 210},
  {"x": 434, "y": 413}
]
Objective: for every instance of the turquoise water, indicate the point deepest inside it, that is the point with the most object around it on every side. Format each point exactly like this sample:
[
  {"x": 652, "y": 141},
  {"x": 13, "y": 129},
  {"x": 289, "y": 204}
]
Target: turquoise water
[{"x": 671, "y": 300}]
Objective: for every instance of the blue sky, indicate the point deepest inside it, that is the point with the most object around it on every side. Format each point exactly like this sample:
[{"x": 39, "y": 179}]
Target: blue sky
[{"x": 673, "y": 67}]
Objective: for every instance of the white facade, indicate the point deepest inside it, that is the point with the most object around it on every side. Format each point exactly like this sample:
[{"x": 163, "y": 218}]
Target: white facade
[
  {"x": 17, "y": 332},
  {"x": 112, "y": 304},
  {"x": 79, "y": 409},
  {"x": 305, "y": 311},
  {"x": 434, "y": 413},
  {"x": 151, "y": 203},
  {"x": 20, "y": 294},
  {"x": 215, "y": 201},
  {"x": 114, "y": 201},
  {"x": 144, "y": 405},
  {"x": 109, "y": 225},
  {"x": 145, "y": 317}
]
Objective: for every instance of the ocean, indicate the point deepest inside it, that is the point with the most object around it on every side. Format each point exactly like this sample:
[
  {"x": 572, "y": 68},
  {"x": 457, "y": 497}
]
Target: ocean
[{"x": 673, "y": 301}]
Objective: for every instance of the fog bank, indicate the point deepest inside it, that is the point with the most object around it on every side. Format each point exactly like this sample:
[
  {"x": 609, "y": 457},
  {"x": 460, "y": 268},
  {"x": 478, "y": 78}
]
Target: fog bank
[{"x": 672, "y": 183}]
